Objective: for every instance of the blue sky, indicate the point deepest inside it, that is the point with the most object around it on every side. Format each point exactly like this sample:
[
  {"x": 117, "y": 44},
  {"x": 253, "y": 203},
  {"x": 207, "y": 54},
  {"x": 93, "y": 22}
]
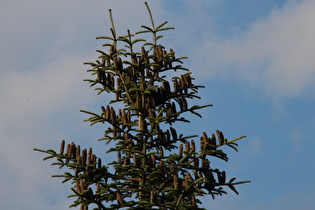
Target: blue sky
[{"x": 256, "y": 59}]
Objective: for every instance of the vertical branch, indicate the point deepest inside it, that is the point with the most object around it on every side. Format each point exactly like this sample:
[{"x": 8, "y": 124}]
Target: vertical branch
[
  {"x": 152, "y": 22},
  {"x": 113, "y": 27}
]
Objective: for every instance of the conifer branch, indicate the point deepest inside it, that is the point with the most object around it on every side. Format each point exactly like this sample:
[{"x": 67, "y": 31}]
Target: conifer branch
[{"x": 148, "y": 173}]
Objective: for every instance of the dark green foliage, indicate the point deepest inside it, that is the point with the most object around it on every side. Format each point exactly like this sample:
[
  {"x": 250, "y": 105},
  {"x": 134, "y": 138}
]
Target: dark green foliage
[{"x": 147, "y": 169}]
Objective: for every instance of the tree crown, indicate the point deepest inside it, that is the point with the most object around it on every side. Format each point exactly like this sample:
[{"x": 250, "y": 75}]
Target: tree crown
[{"x": 147, "y": 173}]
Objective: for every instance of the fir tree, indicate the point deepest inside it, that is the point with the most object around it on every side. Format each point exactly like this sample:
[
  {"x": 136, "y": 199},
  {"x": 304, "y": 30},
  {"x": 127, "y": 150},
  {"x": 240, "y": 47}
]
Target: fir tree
[{"x": 157, "y": 167}]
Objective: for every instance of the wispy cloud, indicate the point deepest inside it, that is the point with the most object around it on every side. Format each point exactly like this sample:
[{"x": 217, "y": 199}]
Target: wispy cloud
[
  {"x": 254, "y": 146},
  {"x": 295, "y": 138},
  {"x": 29, "y": 103},
  {"x": 276, "y": 54},
  {"x": 42, "y": 50},
  {"x": 43, "y": 46}
]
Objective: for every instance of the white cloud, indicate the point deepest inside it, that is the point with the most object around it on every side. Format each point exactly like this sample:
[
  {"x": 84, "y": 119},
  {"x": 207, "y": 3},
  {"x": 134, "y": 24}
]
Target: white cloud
[
  {"x": 42, "y": 48},
  {"x": 295, "y": 138},
  {"x": 254, "y": 146},
  {"x": 32, "y": 32},
  {"x": 30, "y": 101},
  {"x": 276, "y": 54}
]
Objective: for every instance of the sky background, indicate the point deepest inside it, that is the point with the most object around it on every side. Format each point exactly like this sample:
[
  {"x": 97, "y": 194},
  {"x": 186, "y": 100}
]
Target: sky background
[{"x": 256, "y": 59}]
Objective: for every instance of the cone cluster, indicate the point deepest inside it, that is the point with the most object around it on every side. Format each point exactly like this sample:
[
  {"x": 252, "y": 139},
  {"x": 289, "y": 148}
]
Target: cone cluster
[
  {"x": 147, "y": 173},
  {"x": 84, "y": 163}
]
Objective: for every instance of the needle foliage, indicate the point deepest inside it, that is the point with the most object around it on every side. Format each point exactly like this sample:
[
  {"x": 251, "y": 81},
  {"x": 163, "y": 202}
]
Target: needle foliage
[{"x": 157, "y": 167}]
